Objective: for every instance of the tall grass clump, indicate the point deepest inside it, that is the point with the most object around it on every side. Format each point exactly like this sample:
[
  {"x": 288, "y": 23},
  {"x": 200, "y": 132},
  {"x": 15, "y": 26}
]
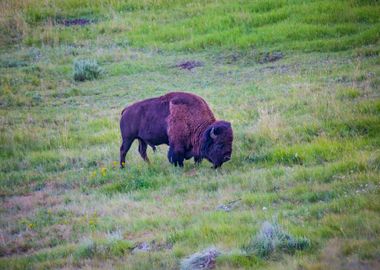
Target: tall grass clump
[
  {"x": 86, "y": 69},
  {"x": 13, "y": 26},
  {"x": 272, "y": 239}
]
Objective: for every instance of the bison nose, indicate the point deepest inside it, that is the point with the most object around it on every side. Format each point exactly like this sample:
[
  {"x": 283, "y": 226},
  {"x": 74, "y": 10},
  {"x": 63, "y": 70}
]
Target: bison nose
[{"x": 227, "y": 158}]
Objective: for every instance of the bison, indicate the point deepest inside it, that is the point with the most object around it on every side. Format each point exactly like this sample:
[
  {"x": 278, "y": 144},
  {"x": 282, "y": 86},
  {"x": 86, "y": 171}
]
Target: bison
[{"x": 181, "y": 120}]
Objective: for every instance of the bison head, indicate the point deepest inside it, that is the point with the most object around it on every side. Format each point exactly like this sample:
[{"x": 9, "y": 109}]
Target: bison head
[{"x": 216, "y": 144}]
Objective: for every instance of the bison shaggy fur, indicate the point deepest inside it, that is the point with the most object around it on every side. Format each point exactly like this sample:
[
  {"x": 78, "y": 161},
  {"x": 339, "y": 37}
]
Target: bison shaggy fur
[{"x": 181, "y": 120}]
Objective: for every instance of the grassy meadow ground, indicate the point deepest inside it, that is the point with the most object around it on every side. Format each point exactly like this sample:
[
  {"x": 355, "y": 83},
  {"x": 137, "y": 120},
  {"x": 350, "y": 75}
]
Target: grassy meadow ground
[{"x": 307, "y": 133}]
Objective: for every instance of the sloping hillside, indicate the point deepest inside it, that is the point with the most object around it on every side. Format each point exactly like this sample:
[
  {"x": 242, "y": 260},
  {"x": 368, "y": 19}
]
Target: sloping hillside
[{"x": 298, "y": 80}]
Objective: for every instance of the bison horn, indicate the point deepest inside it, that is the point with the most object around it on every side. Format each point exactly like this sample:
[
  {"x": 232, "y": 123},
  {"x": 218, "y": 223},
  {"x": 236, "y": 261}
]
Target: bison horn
[{"x": 212, "y": 134}]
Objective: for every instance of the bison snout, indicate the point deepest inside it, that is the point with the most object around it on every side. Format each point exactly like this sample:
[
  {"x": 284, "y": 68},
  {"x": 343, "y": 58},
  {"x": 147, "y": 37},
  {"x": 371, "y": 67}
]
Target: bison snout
[{"x": 227, "y": 158}]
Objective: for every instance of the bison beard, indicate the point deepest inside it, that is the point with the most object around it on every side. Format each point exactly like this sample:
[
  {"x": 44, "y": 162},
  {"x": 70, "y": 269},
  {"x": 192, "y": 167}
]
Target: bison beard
[{"x": 181, "y": 120}]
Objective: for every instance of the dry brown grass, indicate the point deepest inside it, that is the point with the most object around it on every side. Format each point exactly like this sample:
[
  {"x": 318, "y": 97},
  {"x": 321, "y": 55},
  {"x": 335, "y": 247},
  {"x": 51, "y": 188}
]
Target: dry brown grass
[
  {"x": 333, "y": 257},
  {"x": 13, "y": 27},
  {"x": 269, "y": 123}
]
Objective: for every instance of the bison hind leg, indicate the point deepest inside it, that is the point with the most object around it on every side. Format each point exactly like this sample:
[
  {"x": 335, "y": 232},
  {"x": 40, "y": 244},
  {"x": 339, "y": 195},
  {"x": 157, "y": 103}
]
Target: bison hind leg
[{"x": 142, "y": 150}]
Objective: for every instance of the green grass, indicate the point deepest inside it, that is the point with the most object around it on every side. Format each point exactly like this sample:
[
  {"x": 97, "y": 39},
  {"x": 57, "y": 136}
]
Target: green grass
[
  {"x": 306, "y": 128},
  {"x": 196, "y": 25}
]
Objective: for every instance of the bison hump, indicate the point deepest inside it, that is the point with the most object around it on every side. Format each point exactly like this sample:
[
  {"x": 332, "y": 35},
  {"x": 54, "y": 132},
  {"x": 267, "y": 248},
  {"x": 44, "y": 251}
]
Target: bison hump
[{"x": 181, "y": 101}]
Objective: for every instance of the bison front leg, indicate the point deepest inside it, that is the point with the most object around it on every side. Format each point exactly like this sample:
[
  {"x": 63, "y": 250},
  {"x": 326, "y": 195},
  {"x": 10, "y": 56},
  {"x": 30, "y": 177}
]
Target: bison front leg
[
  {"x": 176, "y": 156},
  {"x": 197, "y": 160},
  {"x": 142, "y": 150}
]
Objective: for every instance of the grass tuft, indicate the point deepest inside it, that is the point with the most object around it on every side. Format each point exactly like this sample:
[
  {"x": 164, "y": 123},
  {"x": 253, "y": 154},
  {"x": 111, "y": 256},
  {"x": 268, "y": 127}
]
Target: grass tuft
[{"x": 86, "y": 69}]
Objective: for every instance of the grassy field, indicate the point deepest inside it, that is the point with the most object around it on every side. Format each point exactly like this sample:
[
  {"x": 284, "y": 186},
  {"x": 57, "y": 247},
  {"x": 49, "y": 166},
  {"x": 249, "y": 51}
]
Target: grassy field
[{"x": 298, "y": 80}]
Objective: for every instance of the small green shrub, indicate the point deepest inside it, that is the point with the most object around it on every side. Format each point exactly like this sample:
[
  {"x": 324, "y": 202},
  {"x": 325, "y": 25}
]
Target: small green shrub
[
  {"x": 272, "y": 239},
  {"x": 86, "y": 69}
]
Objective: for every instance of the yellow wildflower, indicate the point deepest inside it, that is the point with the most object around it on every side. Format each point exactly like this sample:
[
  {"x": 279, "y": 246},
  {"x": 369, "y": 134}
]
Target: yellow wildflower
[{"x": 103, "y": 171}]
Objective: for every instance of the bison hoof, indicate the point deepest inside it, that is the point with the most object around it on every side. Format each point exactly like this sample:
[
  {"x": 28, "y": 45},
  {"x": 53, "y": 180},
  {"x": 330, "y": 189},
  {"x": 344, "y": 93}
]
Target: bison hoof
[{"x": 197, "y": 160}]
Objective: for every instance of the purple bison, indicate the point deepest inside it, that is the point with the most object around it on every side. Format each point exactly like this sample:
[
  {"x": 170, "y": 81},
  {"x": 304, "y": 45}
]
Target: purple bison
[{"x": 181, "y": 120}]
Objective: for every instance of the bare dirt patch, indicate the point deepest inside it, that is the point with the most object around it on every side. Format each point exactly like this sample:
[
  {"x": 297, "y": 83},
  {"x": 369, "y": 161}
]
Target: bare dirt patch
[
  {"x": 270, "y": 57},
  {"x": 25, "y": 204},
  {"x": 332, "y": 257},
  {"x": 17, "y": 235},
  {"x": 76, "y": 22},
  {"x": 189, "y": 65}
]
